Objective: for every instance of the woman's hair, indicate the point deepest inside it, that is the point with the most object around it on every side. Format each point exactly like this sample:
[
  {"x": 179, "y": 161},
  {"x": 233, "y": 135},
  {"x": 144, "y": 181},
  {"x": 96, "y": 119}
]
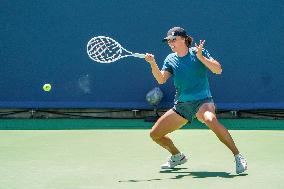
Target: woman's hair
[{"x": 188, "y": 40}]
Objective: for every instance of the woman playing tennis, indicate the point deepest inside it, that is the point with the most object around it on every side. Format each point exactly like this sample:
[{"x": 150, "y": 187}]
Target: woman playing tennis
[{"x": 188, "y": 66}]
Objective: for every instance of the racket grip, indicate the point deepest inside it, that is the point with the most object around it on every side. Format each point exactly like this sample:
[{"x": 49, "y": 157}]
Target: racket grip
[{"x": 139, "y": 55}]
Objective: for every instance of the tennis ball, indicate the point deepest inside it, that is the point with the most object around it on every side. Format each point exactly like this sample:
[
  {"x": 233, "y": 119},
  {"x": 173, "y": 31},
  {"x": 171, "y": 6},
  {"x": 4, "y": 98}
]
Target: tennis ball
[{"x": 46, "y": 87}]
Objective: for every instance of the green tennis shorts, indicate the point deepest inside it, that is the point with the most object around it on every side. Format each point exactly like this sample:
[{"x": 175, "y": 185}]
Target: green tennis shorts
[{"x": 188, "y": 110}]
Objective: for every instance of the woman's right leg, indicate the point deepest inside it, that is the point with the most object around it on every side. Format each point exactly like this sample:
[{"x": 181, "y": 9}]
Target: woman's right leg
[{"x": 167, "y": 123}]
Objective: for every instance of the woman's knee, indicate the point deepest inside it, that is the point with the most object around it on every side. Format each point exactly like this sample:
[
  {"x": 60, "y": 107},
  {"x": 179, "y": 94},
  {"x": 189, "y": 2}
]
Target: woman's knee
[
  {"x": 154, "y": 135},
  {"x": 209, "y": 118}
]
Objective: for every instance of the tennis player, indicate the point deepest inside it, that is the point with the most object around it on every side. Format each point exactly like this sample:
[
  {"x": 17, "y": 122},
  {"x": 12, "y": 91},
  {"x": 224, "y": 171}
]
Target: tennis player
[{"x": 188, "y": 66}]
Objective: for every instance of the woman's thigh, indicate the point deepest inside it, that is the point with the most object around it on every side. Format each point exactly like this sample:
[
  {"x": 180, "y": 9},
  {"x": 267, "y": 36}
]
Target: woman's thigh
[
  {"x": 205, "y": 110},
  {"x": 168, "y": 123}
]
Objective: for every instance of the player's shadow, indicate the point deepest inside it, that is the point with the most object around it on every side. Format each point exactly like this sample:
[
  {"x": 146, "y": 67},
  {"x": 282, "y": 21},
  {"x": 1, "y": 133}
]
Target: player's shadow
[
  {"x": 199, "y": 174},
  {"x": 181, "y": 173}
]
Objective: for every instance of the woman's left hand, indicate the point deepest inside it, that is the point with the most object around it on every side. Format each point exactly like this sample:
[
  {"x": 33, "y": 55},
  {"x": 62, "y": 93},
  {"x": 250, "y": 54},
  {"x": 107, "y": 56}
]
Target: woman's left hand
[{"x": 199, "y": 49}]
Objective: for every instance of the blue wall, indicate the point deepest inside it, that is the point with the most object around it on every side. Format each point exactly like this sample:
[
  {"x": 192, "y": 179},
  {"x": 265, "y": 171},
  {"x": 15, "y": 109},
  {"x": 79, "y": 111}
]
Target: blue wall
[{"x": 45, "y": 42}]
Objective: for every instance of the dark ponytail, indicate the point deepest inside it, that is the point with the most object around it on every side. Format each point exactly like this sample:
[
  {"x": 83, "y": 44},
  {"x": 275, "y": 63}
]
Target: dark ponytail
[{"x": 188, "y": 40}]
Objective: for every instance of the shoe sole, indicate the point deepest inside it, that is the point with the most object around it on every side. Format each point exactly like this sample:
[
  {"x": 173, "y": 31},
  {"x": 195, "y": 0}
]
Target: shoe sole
[{"x": 183, "y": 161}]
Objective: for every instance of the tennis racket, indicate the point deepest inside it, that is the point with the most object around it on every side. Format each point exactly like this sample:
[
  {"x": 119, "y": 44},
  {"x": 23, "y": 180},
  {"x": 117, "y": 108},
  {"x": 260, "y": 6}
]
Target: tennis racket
[{"x": 104, "y": 49}]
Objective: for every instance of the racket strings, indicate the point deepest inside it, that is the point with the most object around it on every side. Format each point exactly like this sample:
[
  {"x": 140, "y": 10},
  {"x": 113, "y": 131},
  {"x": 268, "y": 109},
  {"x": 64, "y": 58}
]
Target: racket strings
[
  {"x": 98, "y": 44},
  {"x": 104, "y": 49}
]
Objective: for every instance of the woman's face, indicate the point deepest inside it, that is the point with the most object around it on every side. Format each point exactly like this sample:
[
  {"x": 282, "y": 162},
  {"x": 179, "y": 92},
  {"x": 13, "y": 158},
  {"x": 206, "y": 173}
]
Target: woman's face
[{"x": 177, "y": 44}]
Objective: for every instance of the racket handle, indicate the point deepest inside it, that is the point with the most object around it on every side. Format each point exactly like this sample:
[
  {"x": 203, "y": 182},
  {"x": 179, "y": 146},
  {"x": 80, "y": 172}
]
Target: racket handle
[{"x": 139, "y": 55}]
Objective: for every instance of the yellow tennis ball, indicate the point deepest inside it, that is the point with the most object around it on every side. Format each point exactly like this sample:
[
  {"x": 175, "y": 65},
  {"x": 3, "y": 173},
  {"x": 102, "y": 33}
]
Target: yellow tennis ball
[{"x": 46, "y": 87}]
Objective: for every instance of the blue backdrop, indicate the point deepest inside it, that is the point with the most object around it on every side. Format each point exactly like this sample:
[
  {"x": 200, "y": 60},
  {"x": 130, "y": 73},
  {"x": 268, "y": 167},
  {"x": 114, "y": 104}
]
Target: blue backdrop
[{"x": 45, "y": 42}]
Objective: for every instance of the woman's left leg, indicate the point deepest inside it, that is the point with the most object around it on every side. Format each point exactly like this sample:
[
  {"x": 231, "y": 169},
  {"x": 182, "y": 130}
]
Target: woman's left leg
[{"x": 206, "y": 114}]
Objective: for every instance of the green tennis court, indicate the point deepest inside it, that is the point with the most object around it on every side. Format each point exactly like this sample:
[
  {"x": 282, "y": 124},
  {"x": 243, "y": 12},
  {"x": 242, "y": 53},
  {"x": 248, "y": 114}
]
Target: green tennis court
[{"x": 118, "y": 153}]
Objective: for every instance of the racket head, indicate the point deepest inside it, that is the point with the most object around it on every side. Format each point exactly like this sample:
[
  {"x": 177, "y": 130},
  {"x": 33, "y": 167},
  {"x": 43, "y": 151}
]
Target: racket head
[{"x": 104, "y": 49}]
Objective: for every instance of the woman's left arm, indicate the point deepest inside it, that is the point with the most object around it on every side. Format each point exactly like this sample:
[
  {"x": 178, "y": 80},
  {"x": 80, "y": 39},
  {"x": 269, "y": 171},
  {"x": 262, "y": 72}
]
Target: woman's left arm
[{"x": 212, "y": 64}]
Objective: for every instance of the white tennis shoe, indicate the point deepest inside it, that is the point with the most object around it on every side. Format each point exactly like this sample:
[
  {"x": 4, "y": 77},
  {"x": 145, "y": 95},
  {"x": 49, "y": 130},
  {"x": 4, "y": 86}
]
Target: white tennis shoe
[
  {"x": 241, "y": 163},
  {"x": 174, "y": 160}
]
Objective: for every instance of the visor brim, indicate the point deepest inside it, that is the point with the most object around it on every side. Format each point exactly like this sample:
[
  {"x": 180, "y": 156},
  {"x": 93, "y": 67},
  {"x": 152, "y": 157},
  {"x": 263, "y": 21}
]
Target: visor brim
[{"x": 169, "y": 37}]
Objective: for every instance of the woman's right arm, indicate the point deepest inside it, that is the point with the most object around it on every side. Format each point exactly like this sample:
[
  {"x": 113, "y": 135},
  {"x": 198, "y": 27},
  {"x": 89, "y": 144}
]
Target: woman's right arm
[{"x": 160, "y": 76}]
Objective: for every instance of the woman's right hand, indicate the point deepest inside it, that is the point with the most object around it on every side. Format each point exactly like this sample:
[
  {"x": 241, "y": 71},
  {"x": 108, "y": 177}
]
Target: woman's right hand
[{"x": 150, "y": 58}]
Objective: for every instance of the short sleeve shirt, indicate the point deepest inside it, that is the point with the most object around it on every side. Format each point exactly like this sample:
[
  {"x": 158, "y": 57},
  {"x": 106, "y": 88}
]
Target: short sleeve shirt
[{"x": 189, "y": 74}]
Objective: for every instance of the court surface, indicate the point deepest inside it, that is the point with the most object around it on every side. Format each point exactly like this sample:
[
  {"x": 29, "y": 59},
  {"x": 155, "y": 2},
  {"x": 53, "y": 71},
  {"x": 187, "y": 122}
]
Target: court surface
[{"x": 77, "y": 158}]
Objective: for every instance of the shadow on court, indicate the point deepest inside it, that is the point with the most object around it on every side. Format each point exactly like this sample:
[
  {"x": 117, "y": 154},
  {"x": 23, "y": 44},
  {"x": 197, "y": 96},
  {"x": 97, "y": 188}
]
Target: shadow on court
[{"x": 180, "y": 173}]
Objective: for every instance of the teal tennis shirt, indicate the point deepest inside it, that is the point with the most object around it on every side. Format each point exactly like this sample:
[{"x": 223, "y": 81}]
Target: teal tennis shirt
[{"x": 189, "y": 75}]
